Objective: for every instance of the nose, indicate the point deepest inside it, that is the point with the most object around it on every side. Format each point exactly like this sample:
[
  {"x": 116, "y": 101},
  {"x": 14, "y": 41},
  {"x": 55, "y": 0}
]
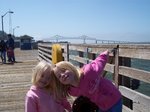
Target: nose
[{"x": 63, "y": 75}]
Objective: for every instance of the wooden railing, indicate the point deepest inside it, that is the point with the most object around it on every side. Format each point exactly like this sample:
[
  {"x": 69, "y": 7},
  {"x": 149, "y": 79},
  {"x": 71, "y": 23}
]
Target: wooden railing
[{"x": 126, "y": 76}]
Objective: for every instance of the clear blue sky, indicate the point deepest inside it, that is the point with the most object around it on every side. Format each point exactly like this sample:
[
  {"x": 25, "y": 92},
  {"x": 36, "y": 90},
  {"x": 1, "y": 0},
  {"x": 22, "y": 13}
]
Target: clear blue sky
[{"x": 122, "y": 20}]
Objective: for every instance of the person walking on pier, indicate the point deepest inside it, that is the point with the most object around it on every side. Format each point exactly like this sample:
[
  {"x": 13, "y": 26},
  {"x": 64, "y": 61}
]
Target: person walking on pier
[
  {"x": 10, "y": 49},
  {"x": 41, "y": 96},
  {"x": 3, "y": 51},
  {"x": 88, "y": 82}
]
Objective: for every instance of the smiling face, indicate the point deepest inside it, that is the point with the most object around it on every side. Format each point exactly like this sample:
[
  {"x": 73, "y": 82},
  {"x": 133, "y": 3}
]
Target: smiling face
[{"x": 64, "y": 76}]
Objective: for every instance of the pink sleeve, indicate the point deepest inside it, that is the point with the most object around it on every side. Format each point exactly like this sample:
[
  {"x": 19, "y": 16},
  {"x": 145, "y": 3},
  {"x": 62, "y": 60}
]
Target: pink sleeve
[
  {"x": 73, "y": 91},
  {"x": 99, "y": 63},
  {"x": 66, "y": 104},
  {"x": 30, "y": 105}
]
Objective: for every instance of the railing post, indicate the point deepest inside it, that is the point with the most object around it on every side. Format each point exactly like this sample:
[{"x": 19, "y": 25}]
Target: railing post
[
  {"x": 116, "y": 69},
  {"x": 87, "y": 55},
  {"x": 67, "y": 51},
  {"x": 90, "y": 55},
  {"x": 80, "y": 55},
  {"x": 122, "y": 80}
]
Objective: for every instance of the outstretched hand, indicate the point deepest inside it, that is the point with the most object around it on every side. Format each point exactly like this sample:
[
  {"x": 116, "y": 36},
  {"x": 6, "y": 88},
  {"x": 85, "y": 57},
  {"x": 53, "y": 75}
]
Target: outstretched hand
[{"x": 113, "y": 50}]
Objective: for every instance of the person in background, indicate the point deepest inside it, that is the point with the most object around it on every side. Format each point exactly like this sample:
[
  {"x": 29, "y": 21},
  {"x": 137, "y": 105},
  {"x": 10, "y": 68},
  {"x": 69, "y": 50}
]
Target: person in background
[
  {"x": 41, "y": 96},
  {"x": 0, "y": 51},
  {"x": 10, "y": 49},
  {"x": 3, "y": 51},
  {"x": 88, "y": 82}
]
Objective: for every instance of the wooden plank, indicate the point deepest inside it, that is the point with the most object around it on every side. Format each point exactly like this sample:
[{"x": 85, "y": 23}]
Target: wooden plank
[
  {"x": 14, "y": 110},
  {"x": 106, "y": 46},
  {"x": 65, "y": 56},
  {"x": 78, "y": 59},
  {"x": 45, "y": 54},
  {"x": 45, "y": 50},
  {"x": 135, "y": 73},
  {"x": 18, "y": 65},
  {"x": 41, "y": 57},
  {"x": 12, "y": 96},
  {"x": 141, "y": 102},
  {"x": 15, "y": 86},
  {"x": 77, "y": 48},
  {"x": 116, "y": 69},
  {"x": 135, "y": 51},
  {"x": 94, "y": 48},
  {"x": 67, "y": 52},
  {"x": 9, "y": 86},
  {"x": 15, "y": 78},
  {"x": 126, "y": 109},
  {"x": 45, "y": 45},
  {"x": 13, "y": 105},
  {"x": 109, "y": 67},
  {"x": 7, "y": 71}
]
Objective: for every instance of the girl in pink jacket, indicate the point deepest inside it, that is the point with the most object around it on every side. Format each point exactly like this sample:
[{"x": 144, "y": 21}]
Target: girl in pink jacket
[
  {"x": 41, "y": 97},
  {"x": 88, "y": 82}
]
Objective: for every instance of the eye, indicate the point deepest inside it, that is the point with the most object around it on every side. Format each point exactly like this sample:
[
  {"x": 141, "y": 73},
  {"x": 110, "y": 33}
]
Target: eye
[
  {"x": 63, "y": 70},
  {"x": 59, "y": 76},
  {"x": 42, "y": 75}
]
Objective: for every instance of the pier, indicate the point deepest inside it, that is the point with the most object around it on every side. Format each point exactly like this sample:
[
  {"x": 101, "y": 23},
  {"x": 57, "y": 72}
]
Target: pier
[{"x": 15, "y": 79}]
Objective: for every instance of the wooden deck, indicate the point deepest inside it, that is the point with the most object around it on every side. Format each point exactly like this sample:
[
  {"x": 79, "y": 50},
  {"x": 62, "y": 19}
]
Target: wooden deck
[{"x": 15, "y": 80}]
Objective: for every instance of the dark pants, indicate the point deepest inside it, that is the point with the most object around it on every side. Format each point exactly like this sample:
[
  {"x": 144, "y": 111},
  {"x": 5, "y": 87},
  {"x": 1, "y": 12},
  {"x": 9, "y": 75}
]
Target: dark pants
[{"x": 3, "y": 56}]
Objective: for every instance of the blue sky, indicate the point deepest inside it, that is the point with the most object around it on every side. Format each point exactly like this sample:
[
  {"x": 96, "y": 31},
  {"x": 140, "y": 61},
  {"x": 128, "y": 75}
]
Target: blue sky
[{"x": 120, "y": 20}]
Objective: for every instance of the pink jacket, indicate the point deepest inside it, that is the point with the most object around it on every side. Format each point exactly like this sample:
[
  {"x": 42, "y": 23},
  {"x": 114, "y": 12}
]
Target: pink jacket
[
  {"x": 38, "y": 100},
  {"x": 101, "y": 91}
]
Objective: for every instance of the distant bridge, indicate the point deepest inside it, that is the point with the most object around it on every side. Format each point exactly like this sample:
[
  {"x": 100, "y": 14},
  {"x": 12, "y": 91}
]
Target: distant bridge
[{"x": 85, "y": 39}]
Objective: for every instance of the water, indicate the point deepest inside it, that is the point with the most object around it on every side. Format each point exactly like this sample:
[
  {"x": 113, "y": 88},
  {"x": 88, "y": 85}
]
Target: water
[{"x": 142, "y": 65}]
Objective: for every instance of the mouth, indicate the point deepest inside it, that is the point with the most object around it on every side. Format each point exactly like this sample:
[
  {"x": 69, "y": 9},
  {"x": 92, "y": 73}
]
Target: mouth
[{"x": 65, "y": 77}]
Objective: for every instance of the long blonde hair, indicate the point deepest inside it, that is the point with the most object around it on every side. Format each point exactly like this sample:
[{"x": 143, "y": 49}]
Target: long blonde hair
[
  {"x": 56, "y": 88},
  {"x": 38, "y": 70},
  {"x": 61, "y": 89}
]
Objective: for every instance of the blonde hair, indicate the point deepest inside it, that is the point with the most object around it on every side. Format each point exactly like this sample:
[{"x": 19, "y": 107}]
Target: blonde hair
[
  {"x": 55, "y": 86},
  {"x": 38, "y": 70},
  {"x": 62, "y": 90}
]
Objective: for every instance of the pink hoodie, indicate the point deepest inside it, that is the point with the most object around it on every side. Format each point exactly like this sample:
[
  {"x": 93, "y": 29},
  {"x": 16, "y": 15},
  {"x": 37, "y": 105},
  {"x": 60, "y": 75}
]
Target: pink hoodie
[
  {"x": 101, "y": 91},
  {"x": 38, "y": 100}
]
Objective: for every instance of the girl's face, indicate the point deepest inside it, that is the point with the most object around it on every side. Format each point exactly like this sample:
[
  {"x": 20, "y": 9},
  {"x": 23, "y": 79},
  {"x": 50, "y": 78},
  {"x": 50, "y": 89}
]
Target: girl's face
[
  {"x": 44, "y": 80},
  {"x": 64, "y": 76}
]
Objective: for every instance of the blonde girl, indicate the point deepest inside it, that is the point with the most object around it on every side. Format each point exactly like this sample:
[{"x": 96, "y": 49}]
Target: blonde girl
[
  {"x": 88, "y": 82},
  {"x": 41, "y": 96}
]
